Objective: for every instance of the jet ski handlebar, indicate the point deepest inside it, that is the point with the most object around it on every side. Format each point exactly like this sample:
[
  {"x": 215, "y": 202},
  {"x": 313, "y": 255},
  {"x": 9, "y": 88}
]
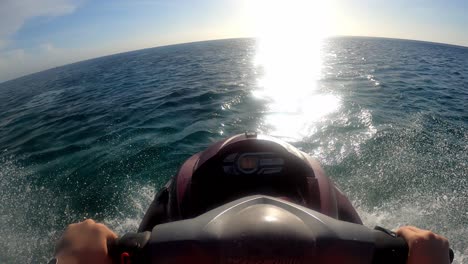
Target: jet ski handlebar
[{"x": 261, "y": 229}]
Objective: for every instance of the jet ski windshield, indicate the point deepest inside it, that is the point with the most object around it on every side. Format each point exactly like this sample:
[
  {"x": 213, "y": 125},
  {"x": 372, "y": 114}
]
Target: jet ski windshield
[{"x": 248, "y": 168}]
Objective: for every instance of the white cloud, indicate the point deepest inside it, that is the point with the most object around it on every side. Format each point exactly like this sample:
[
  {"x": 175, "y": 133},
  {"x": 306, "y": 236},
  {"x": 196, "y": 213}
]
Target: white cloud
[
  {"x": 3, "y": 43},
  {"x": 15, "y": 13},
  {"x": 19, "y": 62},
  {"x": 10, "y": 62},
  {"x": 47, "y": 47}
]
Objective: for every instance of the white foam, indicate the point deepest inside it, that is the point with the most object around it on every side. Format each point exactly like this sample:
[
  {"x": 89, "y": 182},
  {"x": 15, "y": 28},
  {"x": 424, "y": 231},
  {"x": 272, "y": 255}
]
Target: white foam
[
  {"x": 346, "y": 142},
  {"x": 138, "y": 198},
  {"x": 21, "y": 237},
  {"x": 399, "y": 213}
]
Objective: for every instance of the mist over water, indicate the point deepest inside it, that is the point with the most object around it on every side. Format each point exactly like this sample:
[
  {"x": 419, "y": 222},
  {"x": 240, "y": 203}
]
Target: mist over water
[{"x": 387, "y": 119}]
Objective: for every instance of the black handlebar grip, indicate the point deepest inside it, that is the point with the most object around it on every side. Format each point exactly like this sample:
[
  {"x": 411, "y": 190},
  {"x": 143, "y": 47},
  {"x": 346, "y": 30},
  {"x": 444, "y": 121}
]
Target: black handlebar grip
[
  {"x": 114, "y": 250},
  {"x": 391, "y": 249}
]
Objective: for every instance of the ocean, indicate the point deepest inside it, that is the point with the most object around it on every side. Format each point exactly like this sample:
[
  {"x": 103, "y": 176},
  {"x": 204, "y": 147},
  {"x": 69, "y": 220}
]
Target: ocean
[{"x": 387, "y": 119}]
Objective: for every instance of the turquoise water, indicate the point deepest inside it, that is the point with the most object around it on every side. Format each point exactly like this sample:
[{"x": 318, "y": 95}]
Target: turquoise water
[{"x": 388, "y": 119}]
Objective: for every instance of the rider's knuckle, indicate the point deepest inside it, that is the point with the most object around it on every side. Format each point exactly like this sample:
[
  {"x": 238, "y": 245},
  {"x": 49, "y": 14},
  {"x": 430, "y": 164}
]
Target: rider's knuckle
[
  {"x": 429, "y": 235},
  {"x": 88, "y": 221}
]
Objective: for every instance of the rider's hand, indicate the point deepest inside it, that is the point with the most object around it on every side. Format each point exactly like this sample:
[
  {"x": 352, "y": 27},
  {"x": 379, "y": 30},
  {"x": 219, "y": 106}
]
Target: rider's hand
[
  {"x": 425, "y": 246},
  {"x": 85, "y": 242}
]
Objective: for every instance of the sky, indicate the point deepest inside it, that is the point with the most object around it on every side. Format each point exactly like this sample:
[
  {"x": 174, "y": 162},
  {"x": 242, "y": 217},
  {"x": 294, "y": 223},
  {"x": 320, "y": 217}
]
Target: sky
[{"x": 39, "y": 34}]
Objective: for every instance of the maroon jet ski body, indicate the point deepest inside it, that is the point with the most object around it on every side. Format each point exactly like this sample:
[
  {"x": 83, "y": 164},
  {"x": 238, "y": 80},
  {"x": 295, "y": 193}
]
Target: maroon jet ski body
[{"x": 242, "y": 165}]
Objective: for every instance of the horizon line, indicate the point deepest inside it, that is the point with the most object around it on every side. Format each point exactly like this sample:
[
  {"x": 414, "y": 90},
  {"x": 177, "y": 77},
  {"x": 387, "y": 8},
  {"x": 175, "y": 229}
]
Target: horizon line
[{"x": 231, "y": 38}]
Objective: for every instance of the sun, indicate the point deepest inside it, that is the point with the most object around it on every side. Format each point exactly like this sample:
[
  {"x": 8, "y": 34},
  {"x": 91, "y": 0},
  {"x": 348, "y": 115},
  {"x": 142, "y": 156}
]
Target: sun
[{"x": 298, "y": 18}]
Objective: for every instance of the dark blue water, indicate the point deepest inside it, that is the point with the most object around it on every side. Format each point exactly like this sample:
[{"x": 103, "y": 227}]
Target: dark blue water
[{"x": 388, "y": 119}]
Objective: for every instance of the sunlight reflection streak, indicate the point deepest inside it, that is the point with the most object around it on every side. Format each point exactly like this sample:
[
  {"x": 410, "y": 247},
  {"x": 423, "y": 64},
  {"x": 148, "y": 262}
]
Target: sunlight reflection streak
[{"x": 289, "y": 43}]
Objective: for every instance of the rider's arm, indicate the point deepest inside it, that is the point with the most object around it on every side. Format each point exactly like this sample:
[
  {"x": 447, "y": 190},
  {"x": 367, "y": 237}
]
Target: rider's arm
[
  {"x": 425, "y": 246},
  {"x": 85, "y": 242}
]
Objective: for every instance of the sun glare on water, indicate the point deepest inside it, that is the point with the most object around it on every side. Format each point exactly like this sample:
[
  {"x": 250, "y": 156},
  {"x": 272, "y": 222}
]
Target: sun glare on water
[{"x": 290, "y": 38}]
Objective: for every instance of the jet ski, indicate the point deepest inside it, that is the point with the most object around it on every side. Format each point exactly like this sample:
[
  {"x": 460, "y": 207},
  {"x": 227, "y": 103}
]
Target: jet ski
[{"x": 254, "y": 199}]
